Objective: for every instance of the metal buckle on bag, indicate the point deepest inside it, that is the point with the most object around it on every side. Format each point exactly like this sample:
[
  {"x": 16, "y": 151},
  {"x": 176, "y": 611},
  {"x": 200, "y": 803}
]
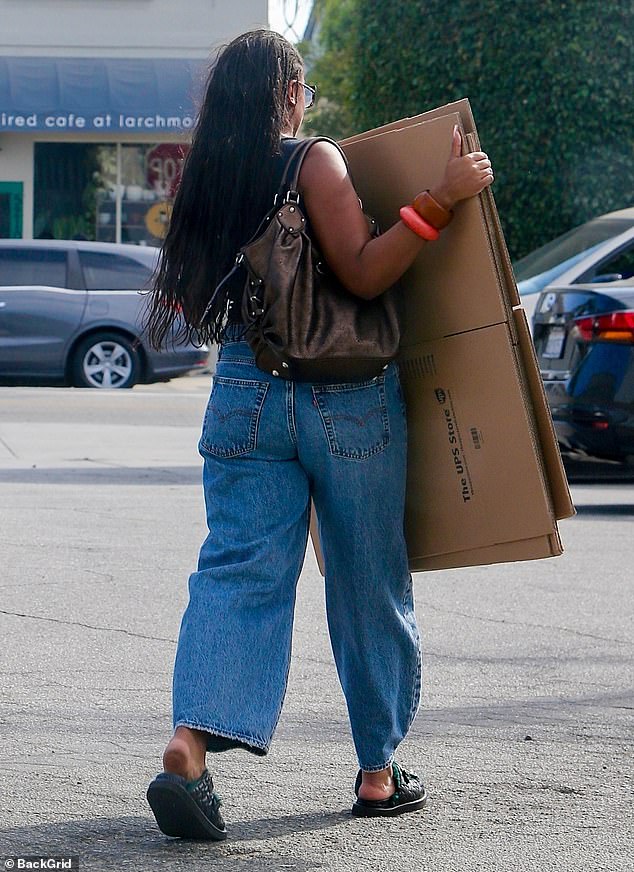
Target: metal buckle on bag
[
  {"x": 289, "y": 197},
  {"x": 256, "y": 307}
]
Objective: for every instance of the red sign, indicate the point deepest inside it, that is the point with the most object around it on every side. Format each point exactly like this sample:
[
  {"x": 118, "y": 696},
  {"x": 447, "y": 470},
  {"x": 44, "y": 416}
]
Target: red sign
[{"x": 164, "y": 164}]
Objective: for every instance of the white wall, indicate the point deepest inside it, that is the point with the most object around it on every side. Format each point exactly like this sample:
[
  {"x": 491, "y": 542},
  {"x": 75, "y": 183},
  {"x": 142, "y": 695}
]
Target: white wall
[
  {"x": 16, "y": 165},
  {"x": 112, "y": 28}
]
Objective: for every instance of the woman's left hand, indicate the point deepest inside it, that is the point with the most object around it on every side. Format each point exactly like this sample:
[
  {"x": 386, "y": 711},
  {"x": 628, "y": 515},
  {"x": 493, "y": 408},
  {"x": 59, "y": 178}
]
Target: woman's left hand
[{"x": 465, "y": 175}]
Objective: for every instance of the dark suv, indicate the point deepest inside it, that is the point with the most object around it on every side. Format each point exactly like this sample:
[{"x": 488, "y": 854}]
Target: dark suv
[
  {"x": 71, "y": 312},
  {"x": 584, "y": 338}
]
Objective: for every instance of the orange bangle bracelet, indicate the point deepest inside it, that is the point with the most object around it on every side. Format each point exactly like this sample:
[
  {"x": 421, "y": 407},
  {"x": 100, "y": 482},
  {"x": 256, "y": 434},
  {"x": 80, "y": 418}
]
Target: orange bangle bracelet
[
  {"x": 430, "y": 210},
  {"x": 422, "y": 228}
]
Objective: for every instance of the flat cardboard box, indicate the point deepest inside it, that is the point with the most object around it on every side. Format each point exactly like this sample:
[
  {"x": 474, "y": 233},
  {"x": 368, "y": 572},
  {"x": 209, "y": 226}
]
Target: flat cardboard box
[
  {"x": 475, "y": 479},
  {"x": 485, "y": 478},
  {"x": 454, "y": 284}
]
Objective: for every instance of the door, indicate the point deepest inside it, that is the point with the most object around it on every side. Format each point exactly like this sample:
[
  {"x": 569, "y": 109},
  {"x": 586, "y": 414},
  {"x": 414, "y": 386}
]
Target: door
[
  {"x": 39, "y": 314},
  {"x": 11, "y": 210}
]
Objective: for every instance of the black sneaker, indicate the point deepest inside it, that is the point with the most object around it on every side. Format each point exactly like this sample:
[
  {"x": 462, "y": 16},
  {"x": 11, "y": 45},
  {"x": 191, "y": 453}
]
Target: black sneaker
[
  {"x": 187, "y": 809},
  {"x": 409, "y": 795}
]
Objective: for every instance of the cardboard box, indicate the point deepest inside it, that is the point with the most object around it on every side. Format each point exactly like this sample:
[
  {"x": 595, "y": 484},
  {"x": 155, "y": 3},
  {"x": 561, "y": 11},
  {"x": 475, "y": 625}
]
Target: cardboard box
[
  {"x": 475, "y": 476},
  {"x": 485, "y": 478}
]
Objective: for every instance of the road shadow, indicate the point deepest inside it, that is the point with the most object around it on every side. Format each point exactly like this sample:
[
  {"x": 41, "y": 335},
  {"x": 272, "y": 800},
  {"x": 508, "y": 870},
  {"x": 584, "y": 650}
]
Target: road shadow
[
  {"x": 101, "y": 475},
  {"x": 135, "y": 842}
]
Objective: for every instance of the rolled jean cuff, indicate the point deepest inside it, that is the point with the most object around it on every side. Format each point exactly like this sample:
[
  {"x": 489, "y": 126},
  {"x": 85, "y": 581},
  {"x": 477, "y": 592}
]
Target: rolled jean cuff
[
  {"x": 224, "y": 740},
  {"x": 377, "y": 768}
]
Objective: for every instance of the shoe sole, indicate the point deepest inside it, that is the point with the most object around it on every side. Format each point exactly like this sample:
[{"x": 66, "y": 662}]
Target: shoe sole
[
  {"x": 373, "y": 811},
  {"x": 179, "y": 816}
]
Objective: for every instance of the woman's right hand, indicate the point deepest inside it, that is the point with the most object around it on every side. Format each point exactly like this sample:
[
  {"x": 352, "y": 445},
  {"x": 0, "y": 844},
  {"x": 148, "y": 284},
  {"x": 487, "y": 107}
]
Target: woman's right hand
[{"x": 465, "y": 175}]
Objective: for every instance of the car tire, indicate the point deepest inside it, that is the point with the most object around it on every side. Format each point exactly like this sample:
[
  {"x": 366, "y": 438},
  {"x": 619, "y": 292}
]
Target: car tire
[{"x": 105, "y": 361}]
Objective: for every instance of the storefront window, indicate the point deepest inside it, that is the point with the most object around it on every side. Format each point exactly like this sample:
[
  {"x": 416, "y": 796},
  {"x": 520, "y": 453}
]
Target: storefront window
[
  {"x": 110, "y": 193},
  {"x": 149, "y": 177},
  {"x": 68, "y": 178}
]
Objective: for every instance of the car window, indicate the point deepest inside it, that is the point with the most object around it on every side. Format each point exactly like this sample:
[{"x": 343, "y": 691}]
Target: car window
[
  {"x": 33, "y": 266},
  {"x": 113, "y": 272},
  {"x": 538, "y": 282},
  {"x": 571, "y": 244},
  {"x": 617, "y": 266}
]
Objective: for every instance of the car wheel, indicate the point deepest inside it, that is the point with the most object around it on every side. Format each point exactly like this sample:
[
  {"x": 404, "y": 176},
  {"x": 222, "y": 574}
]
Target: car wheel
[{"x": 105, "y": 360}]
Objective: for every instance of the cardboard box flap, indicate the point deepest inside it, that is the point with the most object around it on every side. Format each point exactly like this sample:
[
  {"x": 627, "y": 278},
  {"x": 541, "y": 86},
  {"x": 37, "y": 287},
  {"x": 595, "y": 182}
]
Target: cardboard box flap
[
  {"x": 438, "y": 301},
  {"x": 497, "y": 242},
  {"x": 504, "y": 552},
  {"x": 462, "y": 108}
]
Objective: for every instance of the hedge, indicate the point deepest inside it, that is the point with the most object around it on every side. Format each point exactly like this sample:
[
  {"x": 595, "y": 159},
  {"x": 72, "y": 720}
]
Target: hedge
[{"x": 551, "y": 85}]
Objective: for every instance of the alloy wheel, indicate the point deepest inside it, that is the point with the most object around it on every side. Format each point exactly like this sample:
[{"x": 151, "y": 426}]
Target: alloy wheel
[{"x": 107, "y": 364}]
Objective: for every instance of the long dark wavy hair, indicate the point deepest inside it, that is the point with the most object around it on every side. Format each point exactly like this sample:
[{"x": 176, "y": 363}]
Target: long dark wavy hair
[{"x": 226, "y": 187}]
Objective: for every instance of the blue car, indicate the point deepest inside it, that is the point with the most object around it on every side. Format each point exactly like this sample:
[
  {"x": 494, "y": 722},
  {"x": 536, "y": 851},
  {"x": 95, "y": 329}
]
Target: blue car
[
  {"x": 583, "y": 331},
  {"x": 71, "y": 312}
]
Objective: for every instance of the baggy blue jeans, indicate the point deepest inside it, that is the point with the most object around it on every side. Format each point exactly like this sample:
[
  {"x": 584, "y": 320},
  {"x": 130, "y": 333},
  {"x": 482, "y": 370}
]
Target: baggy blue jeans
[{"x": 268, "y": 446}]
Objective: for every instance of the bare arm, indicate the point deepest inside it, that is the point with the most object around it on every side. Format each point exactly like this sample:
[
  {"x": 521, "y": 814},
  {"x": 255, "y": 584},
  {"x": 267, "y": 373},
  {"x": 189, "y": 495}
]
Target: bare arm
[{"x": 367, "y": 266}]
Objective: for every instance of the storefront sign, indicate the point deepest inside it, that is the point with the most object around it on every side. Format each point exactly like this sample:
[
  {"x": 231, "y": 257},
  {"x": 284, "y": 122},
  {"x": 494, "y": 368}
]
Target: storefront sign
[
  {"x": 113, "y": 122},
  {"x": 157, "y": 219}
]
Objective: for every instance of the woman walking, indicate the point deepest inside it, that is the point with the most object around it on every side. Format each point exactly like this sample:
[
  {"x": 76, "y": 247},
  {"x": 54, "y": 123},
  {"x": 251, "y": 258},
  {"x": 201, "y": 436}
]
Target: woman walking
[{"x": 270, "y": 445}]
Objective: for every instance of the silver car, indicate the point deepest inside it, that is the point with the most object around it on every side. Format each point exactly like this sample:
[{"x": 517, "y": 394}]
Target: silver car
[
  {"x": 592, "y": 252},
  {"x": 71, "y": 312}
]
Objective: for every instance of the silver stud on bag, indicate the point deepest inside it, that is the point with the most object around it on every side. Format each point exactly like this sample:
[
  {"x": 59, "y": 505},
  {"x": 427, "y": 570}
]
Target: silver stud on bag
[
  {"x": 284, "y": 364},
  {"x": 274, "y": 372}
]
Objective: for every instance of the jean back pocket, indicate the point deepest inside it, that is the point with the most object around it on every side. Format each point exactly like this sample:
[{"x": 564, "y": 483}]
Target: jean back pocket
[
  {"x": 355, "y": 417},
  {"x": 230, "y": 427}
]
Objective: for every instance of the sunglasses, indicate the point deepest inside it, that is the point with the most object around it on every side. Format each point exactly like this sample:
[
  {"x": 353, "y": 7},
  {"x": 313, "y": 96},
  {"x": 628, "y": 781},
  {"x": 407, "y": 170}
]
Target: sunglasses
[{"x": 310, "y": 93}]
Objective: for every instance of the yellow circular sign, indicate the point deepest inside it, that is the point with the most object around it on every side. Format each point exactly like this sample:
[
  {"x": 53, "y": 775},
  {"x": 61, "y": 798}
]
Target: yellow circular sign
[{"x": 157, "y": 219}]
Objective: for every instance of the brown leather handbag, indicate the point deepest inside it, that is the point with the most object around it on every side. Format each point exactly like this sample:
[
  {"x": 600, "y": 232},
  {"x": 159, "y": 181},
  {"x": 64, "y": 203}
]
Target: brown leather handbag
[{"x": 301, "y": 323}]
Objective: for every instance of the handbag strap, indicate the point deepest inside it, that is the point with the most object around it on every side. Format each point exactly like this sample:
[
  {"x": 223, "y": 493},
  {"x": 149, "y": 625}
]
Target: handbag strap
[
  {"x": 288, "y": 189},
  {"x": 286, "y": 193}
]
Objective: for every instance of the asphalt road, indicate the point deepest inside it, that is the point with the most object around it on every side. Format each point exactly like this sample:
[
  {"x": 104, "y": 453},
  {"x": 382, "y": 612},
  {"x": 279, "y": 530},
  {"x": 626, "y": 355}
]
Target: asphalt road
[{"x": 524, "y": 737}]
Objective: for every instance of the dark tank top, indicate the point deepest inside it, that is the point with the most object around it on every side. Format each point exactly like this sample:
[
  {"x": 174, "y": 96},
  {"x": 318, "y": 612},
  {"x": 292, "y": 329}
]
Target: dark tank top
[{"x": 278, "y": 163}]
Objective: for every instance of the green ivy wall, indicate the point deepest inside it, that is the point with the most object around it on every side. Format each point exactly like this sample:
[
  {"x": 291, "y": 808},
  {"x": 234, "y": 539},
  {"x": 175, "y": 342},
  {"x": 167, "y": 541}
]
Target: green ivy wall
[{"x": 551, "y": 85}]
